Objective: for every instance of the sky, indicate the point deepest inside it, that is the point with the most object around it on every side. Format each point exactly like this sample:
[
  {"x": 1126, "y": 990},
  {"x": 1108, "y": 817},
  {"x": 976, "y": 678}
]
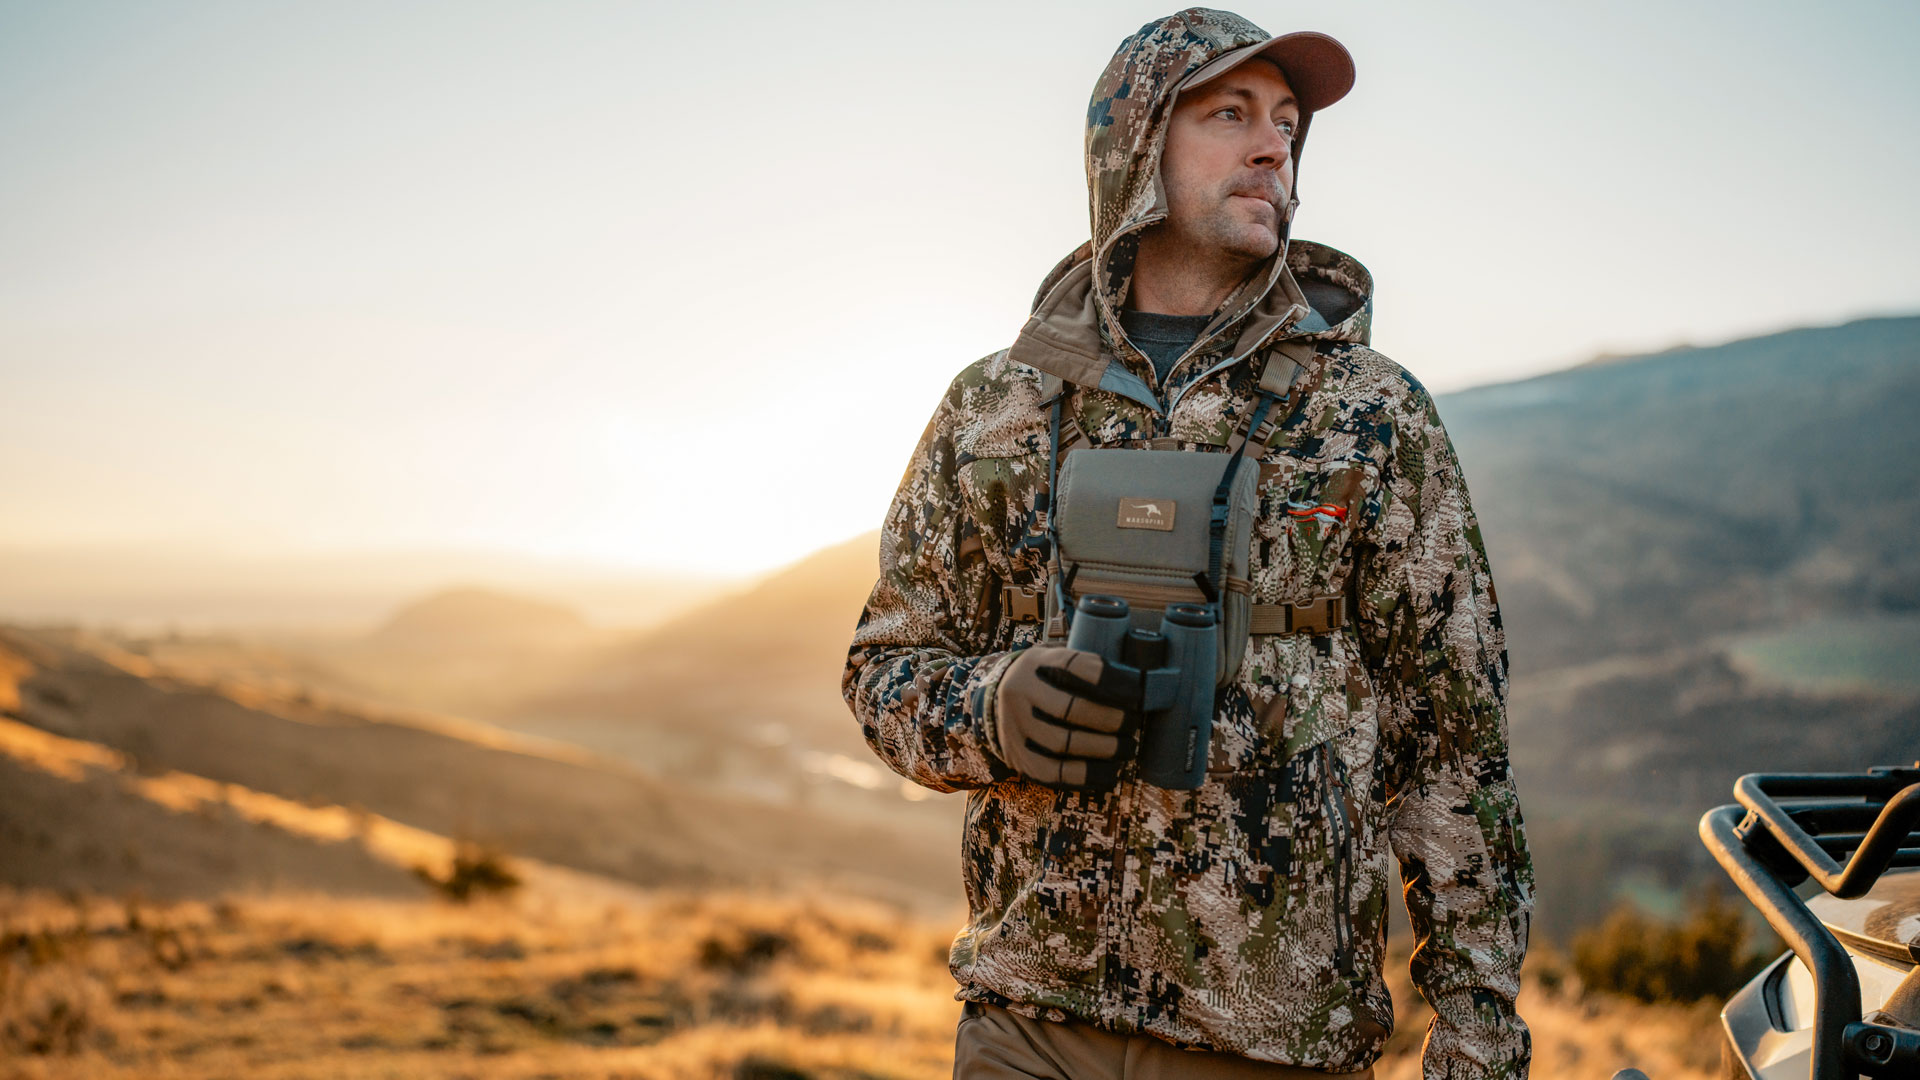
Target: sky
[{"x": 675, "y": 287}]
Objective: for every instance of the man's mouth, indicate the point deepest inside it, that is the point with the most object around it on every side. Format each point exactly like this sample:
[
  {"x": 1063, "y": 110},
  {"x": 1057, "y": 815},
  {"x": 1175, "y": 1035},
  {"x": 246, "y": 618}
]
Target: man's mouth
[{"x": 1259, "y": 193}]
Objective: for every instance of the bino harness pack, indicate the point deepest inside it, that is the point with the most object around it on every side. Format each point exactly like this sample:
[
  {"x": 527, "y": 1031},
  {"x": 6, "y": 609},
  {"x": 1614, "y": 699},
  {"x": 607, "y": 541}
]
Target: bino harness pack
[{"x": 1147, "y": 554}]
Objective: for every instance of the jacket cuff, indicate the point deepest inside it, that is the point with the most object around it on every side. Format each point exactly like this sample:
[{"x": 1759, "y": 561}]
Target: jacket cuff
[
  {"x": 978, "y": 695},
  {"x": 1476, "y": 1035}
]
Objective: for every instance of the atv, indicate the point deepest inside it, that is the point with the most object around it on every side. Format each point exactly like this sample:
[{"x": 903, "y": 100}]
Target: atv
[{"x": 1833, "y": 862}]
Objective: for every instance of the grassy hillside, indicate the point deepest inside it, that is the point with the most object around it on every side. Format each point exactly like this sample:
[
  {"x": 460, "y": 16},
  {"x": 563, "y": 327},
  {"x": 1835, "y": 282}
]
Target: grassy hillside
[
  {"x": 561, "y": 805},
  {"x": 75, "y": 815}
]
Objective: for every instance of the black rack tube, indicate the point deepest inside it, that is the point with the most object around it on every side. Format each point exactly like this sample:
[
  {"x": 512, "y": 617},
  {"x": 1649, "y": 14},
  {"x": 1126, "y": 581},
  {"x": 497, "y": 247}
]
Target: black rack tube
[
  {"x": 1836, "y": 987},
  {"x": 1837, "y": 844},
  {"x": 1899, "y": 817}
]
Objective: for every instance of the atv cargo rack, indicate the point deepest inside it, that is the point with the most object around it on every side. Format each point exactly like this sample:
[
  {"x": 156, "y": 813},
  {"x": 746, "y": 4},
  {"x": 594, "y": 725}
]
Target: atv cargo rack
[{"x": 1789, "y": 827}]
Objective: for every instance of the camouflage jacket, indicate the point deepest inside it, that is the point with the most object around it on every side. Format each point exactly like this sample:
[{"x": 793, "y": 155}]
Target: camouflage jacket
[{"x": 1246, "y": 916}]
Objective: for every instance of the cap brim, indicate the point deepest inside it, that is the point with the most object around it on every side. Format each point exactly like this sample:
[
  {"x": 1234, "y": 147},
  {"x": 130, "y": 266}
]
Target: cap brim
[{"x": 1318, "y": 68}]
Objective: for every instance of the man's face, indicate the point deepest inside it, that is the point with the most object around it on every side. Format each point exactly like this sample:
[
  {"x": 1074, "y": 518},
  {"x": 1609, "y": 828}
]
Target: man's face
[{"x": 1228, "y": 163}]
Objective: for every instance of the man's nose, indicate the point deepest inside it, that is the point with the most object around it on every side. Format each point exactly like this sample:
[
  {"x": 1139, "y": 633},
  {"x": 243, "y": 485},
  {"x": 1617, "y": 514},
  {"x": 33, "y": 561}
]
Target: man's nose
[{"x": 1271, "y": 149}]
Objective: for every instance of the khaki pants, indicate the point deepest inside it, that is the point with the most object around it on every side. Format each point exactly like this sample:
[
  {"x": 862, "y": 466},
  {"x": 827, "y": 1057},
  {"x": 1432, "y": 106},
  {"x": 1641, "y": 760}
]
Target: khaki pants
[{"x": 994, "y": 1044}]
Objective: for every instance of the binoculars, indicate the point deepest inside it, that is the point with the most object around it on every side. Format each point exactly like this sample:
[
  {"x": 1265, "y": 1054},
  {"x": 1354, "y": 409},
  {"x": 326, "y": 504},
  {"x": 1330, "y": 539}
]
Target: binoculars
[{"x": 1175, "y": 667}]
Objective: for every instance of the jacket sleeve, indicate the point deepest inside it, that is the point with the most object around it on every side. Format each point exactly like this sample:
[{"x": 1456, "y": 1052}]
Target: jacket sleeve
[
  {"x": 1430, "y": 622},
  {"x": 919, "y": 673}
]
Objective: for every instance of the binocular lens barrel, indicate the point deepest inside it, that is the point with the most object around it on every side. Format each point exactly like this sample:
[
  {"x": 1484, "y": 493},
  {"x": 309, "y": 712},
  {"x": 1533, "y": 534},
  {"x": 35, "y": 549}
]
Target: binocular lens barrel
[
  {"x": 1099, "y": 626},
  {"x": 1189, "y": 615},
  {"x": 1173, "y": 752},
  {"x": 1174, "y": 740}
]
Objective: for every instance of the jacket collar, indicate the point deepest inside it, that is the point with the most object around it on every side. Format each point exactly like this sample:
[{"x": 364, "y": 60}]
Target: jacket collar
[{"x": 1063, "y": 337}]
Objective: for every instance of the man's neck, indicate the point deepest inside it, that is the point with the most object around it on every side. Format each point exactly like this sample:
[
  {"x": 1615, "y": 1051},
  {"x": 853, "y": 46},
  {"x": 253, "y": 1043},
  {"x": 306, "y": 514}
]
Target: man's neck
[{"x": 1170, "y": 278}]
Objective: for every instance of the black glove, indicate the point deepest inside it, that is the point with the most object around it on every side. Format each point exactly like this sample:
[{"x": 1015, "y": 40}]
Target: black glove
[{"x": 1062, "y": 717}]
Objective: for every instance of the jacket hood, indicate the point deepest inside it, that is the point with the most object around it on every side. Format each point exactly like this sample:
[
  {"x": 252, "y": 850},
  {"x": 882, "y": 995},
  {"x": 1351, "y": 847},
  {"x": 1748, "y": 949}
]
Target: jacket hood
[{"x": 1308, "y": 288}]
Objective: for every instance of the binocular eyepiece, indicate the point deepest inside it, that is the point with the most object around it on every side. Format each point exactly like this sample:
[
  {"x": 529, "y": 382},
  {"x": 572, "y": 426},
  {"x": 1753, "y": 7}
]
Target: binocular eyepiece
[{"x": 1175, "y": 666}]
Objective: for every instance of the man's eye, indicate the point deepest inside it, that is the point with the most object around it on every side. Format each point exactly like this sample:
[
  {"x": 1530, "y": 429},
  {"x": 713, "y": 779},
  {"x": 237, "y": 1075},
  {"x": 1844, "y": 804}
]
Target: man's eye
[{"x": 1229, "y": 112}]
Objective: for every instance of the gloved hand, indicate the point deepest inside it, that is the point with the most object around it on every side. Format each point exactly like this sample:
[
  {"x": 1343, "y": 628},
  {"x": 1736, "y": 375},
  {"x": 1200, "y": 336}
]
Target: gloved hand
[{"x": 1061, "y": 717}]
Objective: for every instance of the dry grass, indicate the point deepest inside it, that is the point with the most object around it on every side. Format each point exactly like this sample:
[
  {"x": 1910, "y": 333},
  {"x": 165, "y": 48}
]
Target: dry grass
[
  {"x": 682, "y": 987},
  {"x": 677, "y": 987},
  {"x": 1596, "y": 1035}
]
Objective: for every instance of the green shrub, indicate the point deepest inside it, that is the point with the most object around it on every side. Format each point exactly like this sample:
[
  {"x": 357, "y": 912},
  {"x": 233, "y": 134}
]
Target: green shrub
[{"x": 1636, "y": 956}]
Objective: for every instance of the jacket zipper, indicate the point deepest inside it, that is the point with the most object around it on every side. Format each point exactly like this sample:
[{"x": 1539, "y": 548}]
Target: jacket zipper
[
  {"x": 1340, "y": 828},
  {"x": 1118, "y": 822}
]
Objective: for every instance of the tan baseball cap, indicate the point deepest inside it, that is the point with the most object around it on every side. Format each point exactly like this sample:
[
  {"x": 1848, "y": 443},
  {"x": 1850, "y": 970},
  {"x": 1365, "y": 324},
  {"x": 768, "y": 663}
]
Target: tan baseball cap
[{"x": 1319, "y": 69}]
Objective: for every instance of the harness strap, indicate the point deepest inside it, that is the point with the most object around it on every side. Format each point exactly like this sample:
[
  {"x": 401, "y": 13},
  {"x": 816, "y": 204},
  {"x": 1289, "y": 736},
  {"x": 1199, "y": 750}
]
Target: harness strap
[
  {"x": 1055, "y": 390},
  {"x": 1283, "y": 365},
  {"x": 1040, "y": 521},
  {"x": 1016, "y": 604},
  {"x": 1320, "y": 615}
]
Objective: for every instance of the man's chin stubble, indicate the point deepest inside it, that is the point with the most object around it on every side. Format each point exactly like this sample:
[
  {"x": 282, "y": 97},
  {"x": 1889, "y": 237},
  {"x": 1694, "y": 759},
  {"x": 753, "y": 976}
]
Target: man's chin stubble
[
  {"x": 1239, "y": 242},
  {"x": 1244, "y": 240},
  {"x": 1250, "y": 245}
]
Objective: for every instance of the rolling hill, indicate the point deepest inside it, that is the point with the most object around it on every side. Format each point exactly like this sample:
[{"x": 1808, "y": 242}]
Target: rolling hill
[
  {"x": 127, "y": 723},
  {"x": 761, "y": 666}
]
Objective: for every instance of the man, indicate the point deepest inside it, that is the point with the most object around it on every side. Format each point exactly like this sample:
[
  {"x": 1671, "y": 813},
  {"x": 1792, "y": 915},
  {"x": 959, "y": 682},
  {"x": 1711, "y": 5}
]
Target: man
[{"x": 1117, "y": 927}]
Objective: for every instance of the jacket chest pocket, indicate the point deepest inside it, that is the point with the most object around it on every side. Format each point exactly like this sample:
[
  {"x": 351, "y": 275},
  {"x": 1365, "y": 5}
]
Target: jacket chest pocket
[{"x": 1309, "y": 514}]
